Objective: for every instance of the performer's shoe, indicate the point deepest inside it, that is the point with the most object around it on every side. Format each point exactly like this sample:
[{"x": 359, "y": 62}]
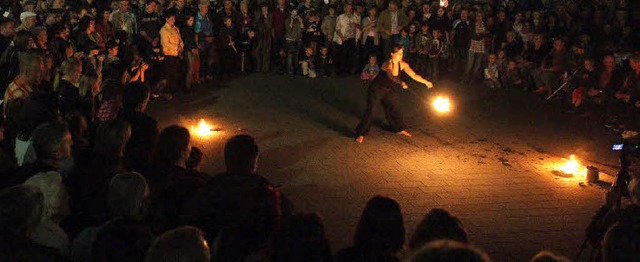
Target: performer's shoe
[
  {"x": 360, "y": 139},
  {"x": 404, "y": 133}
]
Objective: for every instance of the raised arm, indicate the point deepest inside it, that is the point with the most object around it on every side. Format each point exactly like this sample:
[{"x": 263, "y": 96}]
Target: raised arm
[{"x": 407, "y": 69}]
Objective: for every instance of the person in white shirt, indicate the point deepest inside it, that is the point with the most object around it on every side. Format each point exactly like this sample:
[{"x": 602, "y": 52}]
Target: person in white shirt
[{"x": 347, "y": 25}]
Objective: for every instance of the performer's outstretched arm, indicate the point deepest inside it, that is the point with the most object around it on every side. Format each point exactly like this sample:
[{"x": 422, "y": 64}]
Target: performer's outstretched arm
[{"x": 407, "y": 69}]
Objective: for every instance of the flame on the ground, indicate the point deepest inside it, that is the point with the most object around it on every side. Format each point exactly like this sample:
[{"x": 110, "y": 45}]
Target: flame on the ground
[
  {"x": 572, "y": 166},
  {"x": 203, "y": 129},
  {"x": 441, "y": 104}
]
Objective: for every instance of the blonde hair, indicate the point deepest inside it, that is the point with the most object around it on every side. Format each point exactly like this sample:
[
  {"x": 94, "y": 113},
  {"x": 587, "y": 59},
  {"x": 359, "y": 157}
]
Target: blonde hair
[{"x": 67, "y": 67}]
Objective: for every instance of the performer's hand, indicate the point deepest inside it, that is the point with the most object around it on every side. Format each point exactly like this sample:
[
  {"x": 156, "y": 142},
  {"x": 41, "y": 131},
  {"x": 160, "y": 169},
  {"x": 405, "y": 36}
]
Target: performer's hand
[
  {"x": 429, "y": 84},
  {"x": 404, "y": 85}
]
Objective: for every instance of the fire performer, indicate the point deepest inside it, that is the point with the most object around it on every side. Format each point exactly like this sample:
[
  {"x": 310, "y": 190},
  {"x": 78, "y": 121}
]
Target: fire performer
[{"x": 382, "y": 90}]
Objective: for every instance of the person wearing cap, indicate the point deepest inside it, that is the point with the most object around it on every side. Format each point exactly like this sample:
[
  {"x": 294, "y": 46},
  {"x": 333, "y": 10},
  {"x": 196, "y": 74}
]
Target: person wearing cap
[{"x": 28, "y": 21}]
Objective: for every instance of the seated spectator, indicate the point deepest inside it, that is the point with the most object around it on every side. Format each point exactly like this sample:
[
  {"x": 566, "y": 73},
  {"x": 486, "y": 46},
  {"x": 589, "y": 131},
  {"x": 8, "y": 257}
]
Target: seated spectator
[
  {"x": 181, "y": 244},
  {"x": 554, "y": 65},
  {"x": 491, "y": 73},
  {"x": 324, "y": 63},
  {"x": 371, "y": 70},
  {"x": 627, "y": 95},
  {"x": 51, "y": 143},
  {"x": 547, "y": 256},
  {"x": 380, "y": 233},
  {"x": 144, "y": 129},
  {"x": 449, "y": 250},
  {"x": 21, "y": 209},
  {"x": 438, "y": 224},
  {"x": 512, "y": 79},
  {"x": 122, "y": 240},
  {"x": 307, "y": 63},
  {"x": 127, "y": 199},
  {"x": 56, "y": 207},
  {"x": 301, "y": 238},
  {"x": 583, "y": 84}
]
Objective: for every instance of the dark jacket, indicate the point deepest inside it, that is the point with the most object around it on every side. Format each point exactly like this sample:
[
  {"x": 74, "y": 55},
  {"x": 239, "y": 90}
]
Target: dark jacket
[{"x": 144, "y": 134}]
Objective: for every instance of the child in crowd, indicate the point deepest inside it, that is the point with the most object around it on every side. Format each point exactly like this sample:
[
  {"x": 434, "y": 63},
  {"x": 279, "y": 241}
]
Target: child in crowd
[
  {"x": 512, "y": 78},
  {"x": 436, "y": 53},
  {"x": 307, "y": 63},
  {"x": 112, "y": 52},
  {"x": 405, "y": 41},
  {"x": 324, "y": 63},
  {"x": 246, "y": 49},
  {"x": 491, "y": 74},
  {"x": 228, "y": 46},
  {"x": 371, "y": 70}
]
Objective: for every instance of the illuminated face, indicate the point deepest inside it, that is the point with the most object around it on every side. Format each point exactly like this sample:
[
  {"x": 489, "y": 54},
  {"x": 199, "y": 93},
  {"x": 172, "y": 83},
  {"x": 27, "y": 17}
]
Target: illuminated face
[
  {"x": 464, "y": 15},
  {"x": 609, "y": 62},
  {"x": 124, "y": 6},
  {"x": 308, "y": 51},
  {"x": 58, "y": 4},
  {"x": 9, "y": 29},
  {"x": 324, "y": 51},
  {"x": 348, "y": 9},
  {"x": 372, "y": 60},
  {"x": 398, "y": 55},
  {"x": 492, "y": 59},
  {"x": 171, "y": 20},
  {"x": 227, "y": 22},
  {"x": 64, "y": 151},
  {"x": 190, "y": 21},
  {"x": 151, "y": 7},
  {"x": 203, "y": 8},
  {"x": 29, "y": 22},
  {"x": 440, "y": 11},
  {"x": 393, "y": 7}
]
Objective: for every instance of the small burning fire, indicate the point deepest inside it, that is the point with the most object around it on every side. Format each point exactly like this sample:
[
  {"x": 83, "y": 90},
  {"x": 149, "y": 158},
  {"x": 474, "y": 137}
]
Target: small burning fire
[
  {"x": 571, "y": 166},
  {"x": 441, "y": 104},
  {"x": 203, "y": 129}
]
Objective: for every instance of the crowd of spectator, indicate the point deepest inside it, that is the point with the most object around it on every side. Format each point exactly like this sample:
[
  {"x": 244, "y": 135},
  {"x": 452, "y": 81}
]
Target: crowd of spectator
[{"x": 86, "y": 174}]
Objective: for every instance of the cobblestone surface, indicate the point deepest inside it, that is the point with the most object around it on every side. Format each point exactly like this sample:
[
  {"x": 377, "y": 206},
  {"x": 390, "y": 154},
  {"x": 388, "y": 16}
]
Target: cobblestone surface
[{"x": 488, "y": 162}]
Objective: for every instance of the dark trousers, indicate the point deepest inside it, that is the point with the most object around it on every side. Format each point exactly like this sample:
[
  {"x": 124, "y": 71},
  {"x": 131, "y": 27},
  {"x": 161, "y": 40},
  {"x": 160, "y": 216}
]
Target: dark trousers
[
  {"x": 171, "y": 65},
  {"x": 348, "y": 56},
  {"x": 389, "y": 100}
]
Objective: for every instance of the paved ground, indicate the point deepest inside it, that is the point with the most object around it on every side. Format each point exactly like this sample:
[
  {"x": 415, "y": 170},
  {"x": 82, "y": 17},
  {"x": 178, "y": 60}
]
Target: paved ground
[{"x": 489, "y": 162}]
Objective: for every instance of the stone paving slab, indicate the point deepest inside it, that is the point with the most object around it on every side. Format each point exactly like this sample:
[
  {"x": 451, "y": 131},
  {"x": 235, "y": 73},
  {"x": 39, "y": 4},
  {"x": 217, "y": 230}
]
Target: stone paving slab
[{"x": 496, "y": 181}]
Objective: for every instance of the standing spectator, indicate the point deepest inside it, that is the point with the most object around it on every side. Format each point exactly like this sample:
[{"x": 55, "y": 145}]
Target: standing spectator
[
  {"x": 345, "y": 39},
  {"x": 461, "y": 39},
  {"x": 28, "y": 20},
  {"x": 423, "y": 46},
  {"x": 204, "y": 32},
  {"x": 123, "y": 19},
  {"x": 245, "y": 19},
  {"x": 104, "y": 28},
  {"x": 149, "y": 28},
  {"x": 69, "y": 98},
  {"x": 476, "y": 54},
  {"x": 441, "y": 23},
  {"x": 228, "y": 11},
  {"x": 370, "y": 37},
  {"x": 389, "y": 25},
  {"x": 59, "y": 44},
  {"x": 172, "y": 46},
  {"x": 228, "y": 48},
  {"x": 264, "y": 35},
  {"x": 280, "y": 21},
  {"x": 144, "y": 129},
  {"x": 328, "y": 26},
  {"x": 312, "y": 31},
  {"x": 294, "y": 27},
  {"x": 190, "y": 40},
  {"x": 22, "y": 86},
  {"x": 7, "y": 32}
]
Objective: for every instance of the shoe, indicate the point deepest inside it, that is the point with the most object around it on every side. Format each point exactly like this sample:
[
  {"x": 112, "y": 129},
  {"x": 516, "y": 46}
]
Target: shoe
[{"x": 360, "y": 139}]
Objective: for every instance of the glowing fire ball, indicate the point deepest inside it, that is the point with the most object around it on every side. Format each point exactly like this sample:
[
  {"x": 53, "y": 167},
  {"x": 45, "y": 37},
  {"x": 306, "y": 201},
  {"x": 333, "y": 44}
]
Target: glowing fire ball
[
  {"x": 441, "y": 104},
  {"x": 203, "y": 129}
]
